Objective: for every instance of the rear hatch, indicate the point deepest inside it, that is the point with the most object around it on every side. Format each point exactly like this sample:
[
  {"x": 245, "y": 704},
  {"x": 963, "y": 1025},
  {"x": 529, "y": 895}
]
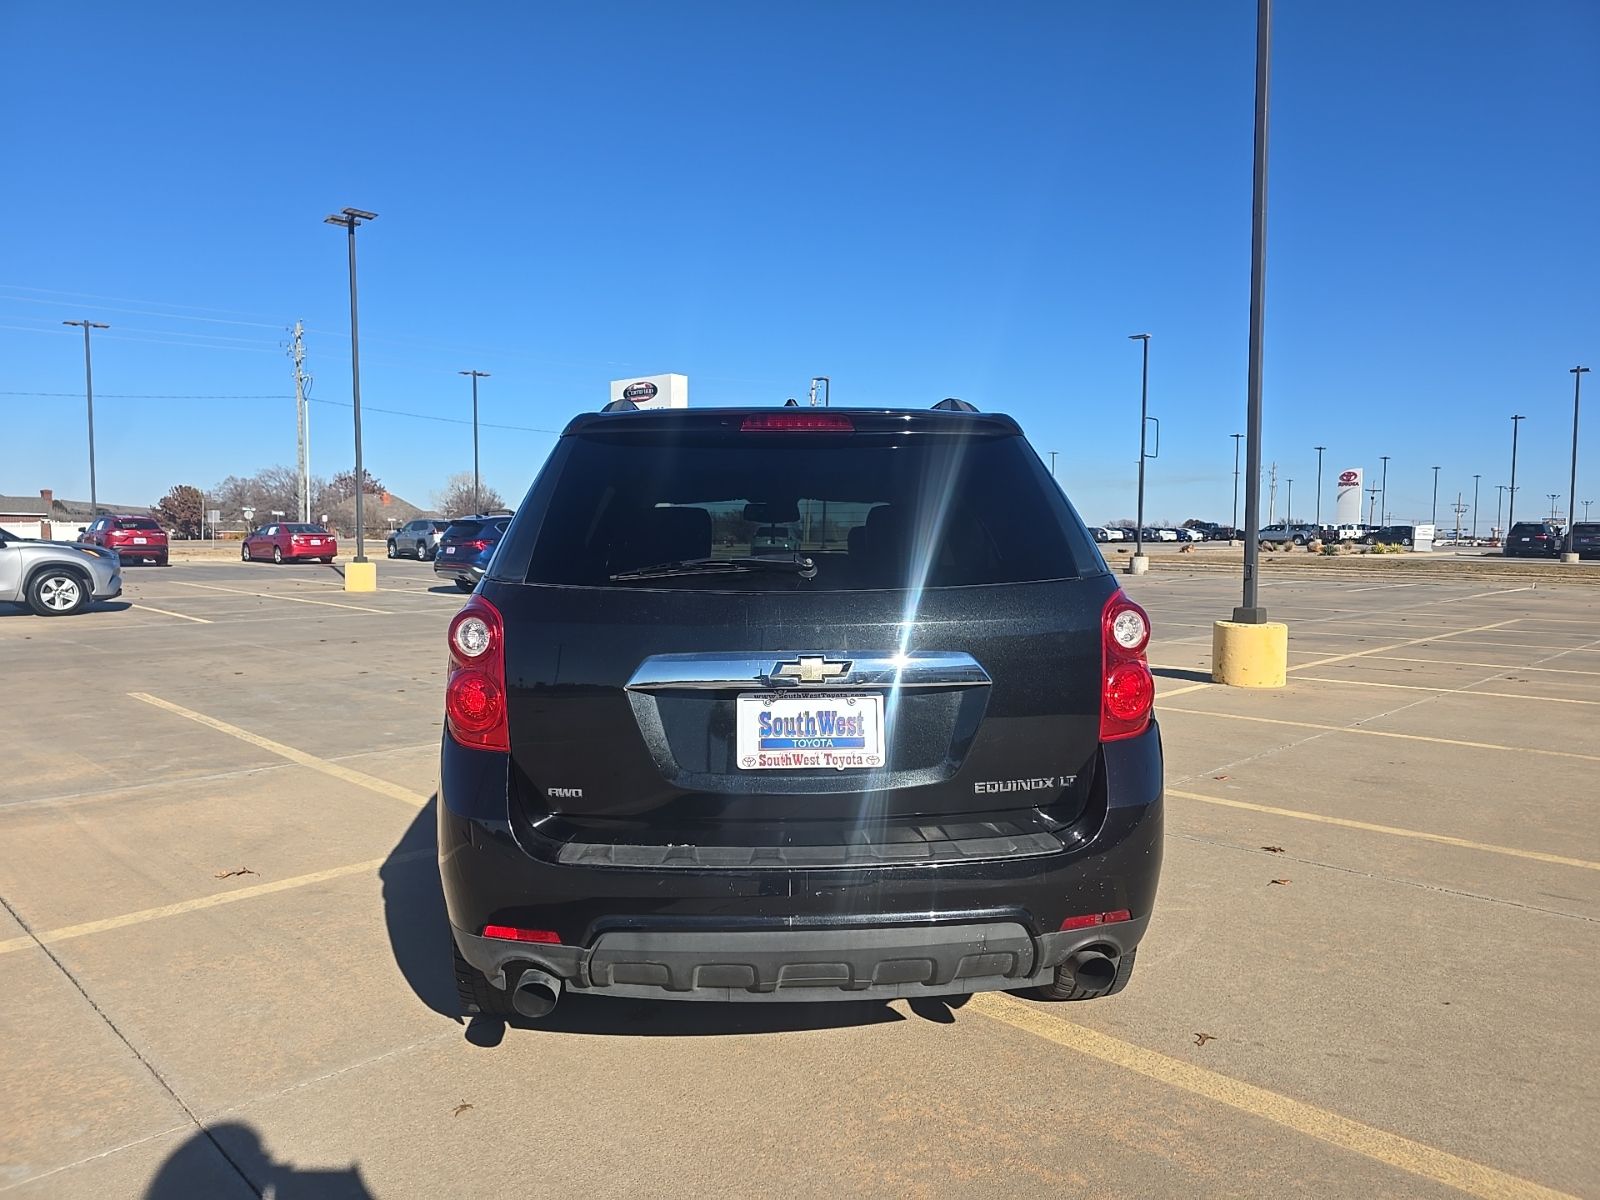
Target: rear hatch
[
  {"x": 135, "y": 533},
  {"x": 927, "y": 660}
]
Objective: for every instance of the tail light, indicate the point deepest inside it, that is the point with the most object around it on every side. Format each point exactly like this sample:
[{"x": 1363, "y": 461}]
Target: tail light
[
  {"x": 475, "y": 694},
  {"x": 1127, "y": 689},
  {"x": 798, "y": 422},
  {"x": 476, "y": 544}
]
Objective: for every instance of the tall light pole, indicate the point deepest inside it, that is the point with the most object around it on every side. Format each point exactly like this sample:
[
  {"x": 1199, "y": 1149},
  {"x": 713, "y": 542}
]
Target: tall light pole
[
  {"x": 1577, "y": 373},
  {"x": 477, "y": 505},
  {"x": 1499, "y": 500},
  {"x": 1249, "y": 611},
  {"x": 1435, "y": 517},
  {"x": 1475, "y": 479},
  {"x": 1237, "y": 437},
  {"x": 1138, "y": 565},
  {"x": 1288, "y": 508},
  {"x": 1554, "y": 496},
  {"x": 350, "y": 218},
  {"x": 1586, "y": 504},
  {"x": 1383, "y": 488},
  {"x": 1511, "y": 488},
  {"x": 88, "y": 392},
  {"x": 1319, "y": 450}
]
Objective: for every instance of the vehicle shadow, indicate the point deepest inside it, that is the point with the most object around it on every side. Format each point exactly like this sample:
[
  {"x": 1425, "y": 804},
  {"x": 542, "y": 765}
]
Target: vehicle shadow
[
  {"x": 1180, "y": 673},
  {"x": 447, "y": 589},
  {"x": 15, "y": 609},
  {"x": 197, "y": 1166},
  {"x": 419, "y": 938}
]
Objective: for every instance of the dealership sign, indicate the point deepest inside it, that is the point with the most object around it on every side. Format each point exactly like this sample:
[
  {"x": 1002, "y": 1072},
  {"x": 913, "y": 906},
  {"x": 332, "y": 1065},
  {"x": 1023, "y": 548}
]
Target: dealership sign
[
  {"x": 653, "y": 391},
  {"x": 1347, "y": 502}
]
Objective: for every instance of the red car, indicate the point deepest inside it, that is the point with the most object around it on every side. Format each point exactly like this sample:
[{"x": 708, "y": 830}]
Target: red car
[
  {"x": 131, "y": 537},
  {"x": 281, "y": 543}
]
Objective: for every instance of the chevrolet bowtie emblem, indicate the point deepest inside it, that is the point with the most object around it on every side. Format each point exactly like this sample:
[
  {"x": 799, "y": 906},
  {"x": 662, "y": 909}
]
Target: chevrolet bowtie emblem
[{"x": 808, "y": 668}]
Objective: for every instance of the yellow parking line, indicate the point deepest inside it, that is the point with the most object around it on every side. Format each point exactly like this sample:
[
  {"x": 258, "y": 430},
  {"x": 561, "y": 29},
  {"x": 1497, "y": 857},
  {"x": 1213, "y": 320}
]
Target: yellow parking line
[
  {"x": 211, "y": 587},
  {"x": 1559, "y": 860},
  {"x": 67, "y": 932},
  {"x": 371, "y": 782},
  {"x": 165, "y": 613},
  {"x": 1384, "y": 733},
  {"x": 1455, "y": 691},
  {"x": 1401, "y": 1153}
]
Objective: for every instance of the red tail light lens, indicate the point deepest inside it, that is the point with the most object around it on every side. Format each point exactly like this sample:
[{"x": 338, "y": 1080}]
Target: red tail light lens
[
  {"x": 478, "y": 544},
  {"x": 798, "y": 422},
  {"x": 1127, "y": 689},
  {"x": 1090, "y": 920},
  {"x": 510, "y": 933},
  {"x": 475, "y": 693}
]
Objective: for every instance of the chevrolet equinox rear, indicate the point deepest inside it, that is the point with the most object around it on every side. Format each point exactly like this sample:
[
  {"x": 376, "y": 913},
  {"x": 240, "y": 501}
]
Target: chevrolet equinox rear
[{"x": 906, "y": 750}]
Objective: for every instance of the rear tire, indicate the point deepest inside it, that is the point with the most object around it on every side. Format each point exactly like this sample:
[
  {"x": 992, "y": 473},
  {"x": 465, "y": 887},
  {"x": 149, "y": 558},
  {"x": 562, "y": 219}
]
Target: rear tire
[
  {"x": 393, "y": 553},
  {"x": 477, "y": 994},
  {"x": 277, "y": 555},
  {"x": 244, "y": 552},
  {"x": 59, "y": 592},
  {"x": 1064, "y": 988}
]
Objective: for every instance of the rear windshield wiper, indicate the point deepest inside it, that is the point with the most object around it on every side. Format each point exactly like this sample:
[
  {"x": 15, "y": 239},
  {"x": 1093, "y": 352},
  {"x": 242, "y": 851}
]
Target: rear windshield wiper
[{"x": 797, "y": 564}]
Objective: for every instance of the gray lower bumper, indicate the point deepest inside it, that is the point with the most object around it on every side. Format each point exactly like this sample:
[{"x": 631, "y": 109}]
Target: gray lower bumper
[{"x": 800, "y": 964}]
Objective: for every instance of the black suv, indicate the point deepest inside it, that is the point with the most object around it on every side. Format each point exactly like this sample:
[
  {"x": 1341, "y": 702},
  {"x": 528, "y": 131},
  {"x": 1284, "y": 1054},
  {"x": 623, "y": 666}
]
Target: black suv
[
  {"x": 1586, "y": 539},
  {"x": 1391, "y": 535},
  {"x": 912, "y": 756},
  {"x": 1533, "y": 539}
]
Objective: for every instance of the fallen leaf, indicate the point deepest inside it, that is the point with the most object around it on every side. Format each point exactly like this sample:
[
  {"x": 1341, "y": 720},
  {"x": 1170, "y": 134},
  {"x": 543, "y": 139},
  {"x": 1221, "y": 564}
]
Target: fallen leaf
[
  {"x": 1273, "y": 849},
  {"x": 1219, "y": 777},
  {"x": 459, "y": 1109},
  {"x": 1200, "y": 1039},
  {"x": 231, "y": 874},
  {"x": 1284, "y": 882}
]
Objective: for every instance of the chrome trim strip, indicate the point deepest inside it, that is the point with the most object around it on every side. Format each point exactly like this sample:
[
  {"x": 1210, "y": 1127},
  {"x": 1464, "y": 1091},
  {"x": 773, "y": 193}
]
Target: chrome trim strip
[{"x": 742, "y": 672}]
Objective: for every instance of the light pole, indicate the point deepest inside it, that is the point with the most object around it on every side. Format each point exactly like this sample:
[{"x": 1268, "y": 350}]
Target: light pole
[
  {"x": 1567, "y": 554},
  {"x": 1499, "y": 500},
  {"x": 1475, "y": 479},
  {"x": 350, "y": 218},
  {"x": 477, "y": 505},
  {"x": 1554, "y": 496},
  {"x": 1511, "y": 488},
  {"x": 1237, "y": 437},
  {"x": 1383, "y": 488},
  {"x": 1319, "y": 450},
  {"x": 1586, "y": 504},
  {"x": 1435, "y": 517},
  {"x": 1372, "y": 506},
  {"x": 1139, "y": 564},
  {"x": 1249, "y": 611},
  {"x": 88, "y": 392},
  {"x": 1288, "y": 508}
]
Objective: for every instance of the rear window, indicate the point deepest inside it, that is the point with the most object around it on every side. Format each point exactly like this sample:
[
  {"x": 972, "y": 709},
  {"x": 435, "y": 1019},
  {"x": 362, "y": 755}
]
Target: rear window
[
  {"x": 869, "y": 510},
  {"x": 305, "y": 529},
  {"x": 136, "y": 523},
  {"x": 1586, "y": 529},
  {"x": 461, "y": 530}
]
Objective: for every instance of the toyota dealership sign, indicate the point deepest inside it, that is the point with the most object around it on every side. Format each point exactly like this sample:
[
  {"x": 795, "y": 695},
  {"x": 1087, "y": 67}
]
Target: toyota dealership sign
[
  {"x": 1347, "y": 505},
  {"x": 653, "y": 391}
]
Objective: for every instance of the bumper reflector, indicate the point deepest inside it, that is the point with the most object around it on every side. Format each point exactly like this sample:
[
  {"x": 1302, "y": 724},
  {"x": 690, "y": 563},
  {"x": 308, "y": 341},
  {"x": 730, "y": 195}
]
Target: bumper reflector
[
  {"x": 1089, "y": 920},
  {"x": 509, "y": 933}
]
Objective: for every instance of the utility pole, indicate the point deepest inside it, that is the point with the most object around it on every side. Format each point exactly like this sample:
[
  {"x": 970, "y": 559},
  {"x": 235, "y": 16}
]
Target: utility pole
[
  {"x": 1372, "y": 505},
  {"x": 1568, "y": 554},
  {"x": 1319, "y": 450},
  {"x": 1499, "y": 502},
  {"x": 1272, "y": 494},
  {"x": 1475, "y": 479},
  {"x": 827, "y": 390},
  {"x": 477, "y": 504},
  {"x": 1511, "y": 505},
  {"x": 1288, "y": 508},
  {"x": 1460, "y": 509},
  {"x": 1383, "y": 504},
  {"x": 302, "y": 381},
  {"x": 88, "y": 391},
  {"x": 1235, "y": 526},
  {"x": 1139, "y": 563}
]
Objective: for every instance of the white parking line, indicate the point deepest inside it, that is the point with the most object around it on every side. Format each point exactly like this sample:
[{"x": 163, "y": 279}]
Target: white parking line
[
  {"x": 165, "y": 613},
  {"x": 212, "y": 587},
  {"x": 1455, "y": 691}
]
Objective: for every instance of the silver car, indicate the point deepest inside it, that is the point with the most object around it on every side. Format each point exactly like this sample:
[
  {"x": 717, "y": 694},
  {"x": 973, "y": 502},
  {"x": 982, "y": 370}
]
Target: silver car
[
  {"x": 57, "y": 579},
  {"x": 417, "y": 539}
]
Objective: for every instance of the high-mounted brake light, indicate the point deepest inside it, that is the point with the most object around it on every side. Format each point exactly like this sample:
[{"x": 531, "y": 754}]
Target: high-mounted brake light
[
  {"x": 798, "y": 422},
  {"x": 1127, "y": 689},
  {"x": 475, "y": 693}
]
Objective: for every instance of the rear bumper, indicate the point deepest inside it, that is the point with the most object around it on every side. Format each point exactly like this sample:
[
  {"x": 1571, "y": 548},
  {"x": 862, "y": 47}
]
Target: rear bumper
[
  {"x": 815, "y": 933},
  {"x": 457, "y": 569}
]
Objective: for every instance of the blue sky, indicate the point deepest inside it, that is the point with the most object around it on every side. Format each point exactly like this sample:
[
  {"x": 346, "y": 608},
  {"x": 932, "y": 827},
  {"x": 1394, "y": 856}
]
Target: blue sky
[{"x": 916, "y": 199}]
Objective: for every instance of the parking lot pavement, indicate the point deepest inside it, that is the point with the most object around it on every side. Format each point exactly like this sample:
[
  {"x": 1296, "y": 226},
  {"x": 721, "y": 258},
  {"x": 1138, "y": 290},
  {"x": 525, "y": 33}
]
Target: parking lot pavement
[{"x": 224, "y": 968}]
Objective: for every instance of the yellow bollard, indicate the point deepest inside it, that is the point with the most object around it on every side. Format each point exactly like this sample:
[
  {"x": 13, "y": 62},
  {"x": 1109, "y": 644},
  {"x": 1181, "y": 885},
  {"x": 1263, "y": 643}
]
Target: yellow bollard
[
  {"x": 1252, "y": 656},
  {"x": 361, "y": 577}
]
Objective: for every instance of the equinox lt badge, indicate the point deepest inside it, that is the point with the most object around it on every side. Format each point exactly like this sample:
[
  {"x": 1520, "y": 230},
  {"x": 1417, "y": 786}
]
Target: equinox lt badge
[{"x": 987, "y": 786}]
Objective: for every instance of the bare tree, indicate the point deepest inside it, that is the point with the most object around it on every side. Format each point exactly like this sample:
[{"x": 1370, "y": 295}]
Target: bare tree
[{"x": 455, "y": 499}]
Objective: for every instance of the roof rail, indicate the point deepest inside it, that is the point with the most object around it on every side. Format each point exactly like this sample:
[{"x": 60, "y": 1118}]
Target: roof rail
[
  {"x": 621, "y": 406},
  {"x": 951, "y": 404}
]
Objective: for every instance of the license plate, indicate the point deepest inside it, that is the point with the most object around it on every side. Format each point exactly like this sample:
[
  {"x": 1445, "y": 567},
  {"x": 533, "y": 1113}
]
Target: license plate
[
  {"x": 316, "y": 541},
  {"x": 140, "y": 541},
  {"x": 796, "y": 731},
  {"x": 449, "y": 549}
]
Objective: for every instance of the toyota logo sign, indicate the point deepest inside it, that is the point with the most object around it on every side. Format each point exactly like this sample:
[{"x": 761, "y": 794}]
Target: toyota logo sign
[{"x": 1349, "y": 478}]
